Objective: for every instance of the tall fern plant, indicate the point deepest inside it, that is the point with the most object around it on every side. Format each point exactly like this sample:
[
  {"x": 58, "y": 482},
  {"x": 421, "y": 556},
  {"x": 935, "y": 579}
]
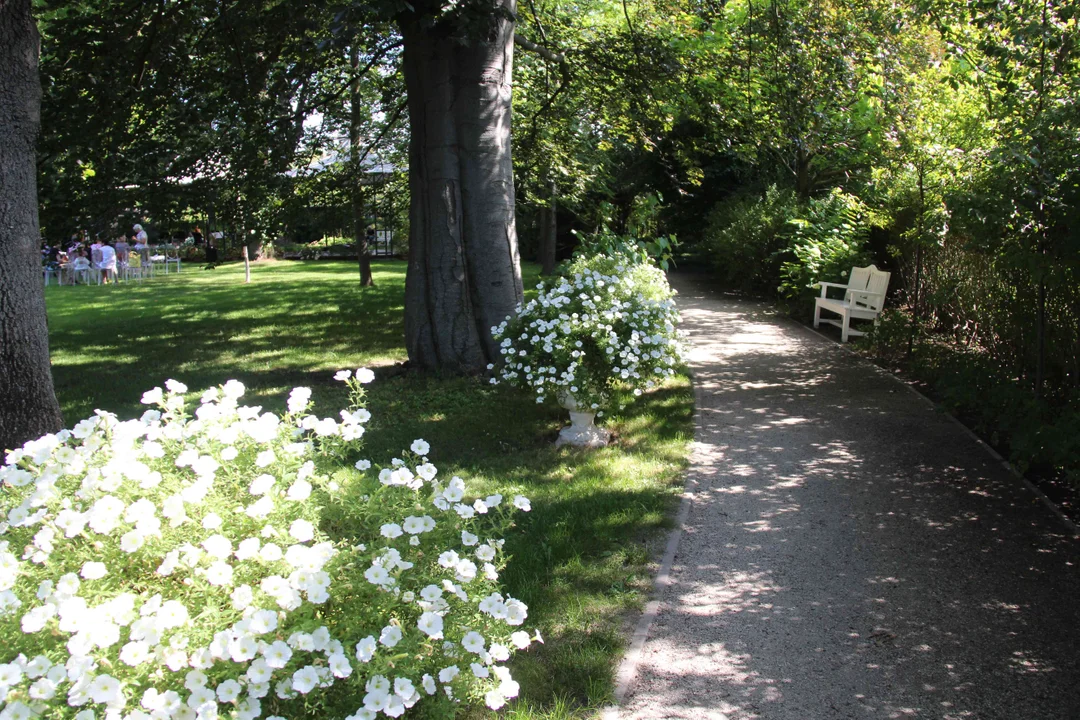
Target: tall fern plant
[{"x": 824, "y": 245}]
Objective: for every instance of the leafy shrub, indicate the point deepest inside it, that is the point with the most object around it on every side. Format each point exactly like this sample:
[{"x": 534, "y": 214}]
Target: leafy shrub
[
  {"x": 746, "y": 237},
  {"x": 827, "y": 241},
  {"x": 634, "y": 249},
  {"x": 610, "y": 323},
  {"x": 188, "y": 567},
  {"x": 980, "y": 390}
]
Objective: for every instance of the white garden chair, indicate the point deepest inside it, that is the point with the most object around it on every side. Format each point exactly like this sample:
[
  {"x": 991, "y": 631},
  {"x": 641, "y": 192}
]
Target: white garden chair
[
  {"x": 127, "y": 272},
  {"x": 50, "y": 273},
  {"x": 157, "y": 260},
  {"x": 864, "y": 297},
  {"x": 172, "y": 257},
  {"x": 87, "y": 275}
]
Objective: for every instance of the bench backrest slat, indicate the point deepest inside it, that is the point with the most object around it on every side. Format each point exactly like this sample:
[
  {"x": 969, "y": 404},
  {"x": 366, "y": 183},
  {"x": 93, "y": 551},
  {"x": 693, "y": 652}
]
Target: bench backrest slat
[
  {"x": 876, "y": 283},
  {"x": 859, "y": 278}
]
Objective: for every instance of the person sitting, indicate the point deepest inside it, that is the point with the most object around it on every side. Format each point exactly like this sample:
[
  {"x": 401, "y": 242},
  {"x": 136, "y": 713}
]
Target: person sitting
[
  {"x": 107, "y": 265},
  {"x": 81, "y": 264},
  {"x": 142, "y": 244},
  {"x": 211, "y": 254},
  {"x": 135, "y": 263},
  {"x": 122, "y": 250},
  {"x": 95, "y": 253}
]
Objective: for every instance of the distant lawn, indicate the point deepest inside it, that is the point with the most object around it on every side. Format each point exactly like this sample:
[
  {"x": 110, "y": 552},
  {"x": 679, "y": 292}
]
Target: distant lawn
[
  {"x": 581, "y": 558},
  {"x": 290, "y": 325}
]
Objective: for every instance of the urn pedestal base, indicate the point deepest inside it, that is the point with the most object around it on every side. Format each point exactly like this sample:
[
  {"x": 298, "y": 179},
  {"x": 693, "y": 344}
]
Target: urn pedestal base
[{"x": 583, "y": 432}]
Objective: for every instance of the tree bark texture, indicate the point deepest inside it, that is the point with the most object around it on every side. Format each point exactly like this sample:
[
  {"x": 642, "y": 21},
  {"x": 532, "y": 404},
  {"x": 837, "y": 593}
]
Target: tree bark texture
[
  {"x": 28, "y": 407},
  {"x": 363, "y": 252},
  {"x": 464, "y": 273}
]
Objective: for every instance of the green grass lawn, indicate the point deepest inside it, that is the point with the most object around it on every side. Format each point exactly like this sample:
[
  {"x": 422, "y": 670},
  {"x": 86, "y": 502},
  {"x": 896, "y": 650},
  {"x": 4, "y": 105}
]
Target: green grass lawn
[{"x": 581, "y": 559}]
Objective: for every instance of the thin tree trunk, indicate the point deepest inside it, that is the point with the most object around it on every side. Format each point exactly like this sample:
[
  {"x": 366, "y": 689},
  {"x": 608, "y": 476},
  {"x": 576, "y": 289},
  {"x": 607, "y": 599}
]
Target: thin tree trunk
[
  {"x": 28, "y": 406},
  {"x": 802, "y": 173},
  {"x": 918, "y": 260},
  {"x": 464, "y": 275},
  {"x": 363, "y": 252},
  {"x": 549, "y": 232}
]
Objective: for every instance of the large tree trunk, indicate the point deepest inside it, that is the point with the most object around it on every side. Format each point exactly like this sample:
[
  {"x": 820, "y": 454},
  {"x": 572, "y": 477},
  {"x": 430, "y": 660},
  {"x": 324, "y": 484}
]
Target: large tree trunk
[
  {"x": 464, "y": 274},
  {"x": 363, "y": 252},
  {"x": 28, "y": 406}
]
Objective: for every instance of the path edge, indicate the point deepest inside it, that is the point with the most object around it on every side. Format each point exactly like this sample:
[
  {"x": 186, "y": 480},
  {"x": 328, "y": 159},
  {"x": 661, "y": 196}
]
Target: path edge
[
  {"x": 1050, "y": 504},
  {"x": 627, "y": 669}
]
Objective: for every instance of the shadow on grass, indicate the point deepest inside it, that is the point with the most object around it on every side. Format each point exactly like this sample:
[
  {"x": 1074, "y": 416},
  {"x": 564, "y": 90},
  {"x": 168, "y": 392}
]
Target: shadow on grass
[{"x": 581, "y": 559}]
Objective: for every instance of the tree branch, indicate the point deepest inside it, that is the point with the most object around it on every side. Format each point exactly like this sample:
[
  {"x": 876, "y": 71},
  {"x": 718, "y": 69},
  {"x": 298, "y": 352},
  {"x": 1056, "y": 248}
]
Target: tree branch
[
  {"x": 382, "y": 134},
  {"x": 332, "y": 96},
  {"x": 540, "y": 50}
]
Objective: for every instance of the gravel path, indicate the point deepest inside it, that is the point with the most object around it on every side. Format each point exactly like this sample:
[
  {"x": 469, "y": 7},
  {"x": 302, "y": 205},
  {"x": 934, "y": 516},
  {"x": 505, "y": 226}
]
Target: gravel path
[{"x": 848, "y": 551}]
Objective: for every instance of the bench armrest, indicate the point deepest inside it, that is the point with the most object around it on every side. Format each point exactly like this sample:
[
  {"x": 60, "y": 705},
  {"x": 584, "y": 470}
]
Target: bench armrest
[
  {"x": 826, "y": 285},
  {"x": 862, "y": 293},
  {"x": 862, "y": 296}
]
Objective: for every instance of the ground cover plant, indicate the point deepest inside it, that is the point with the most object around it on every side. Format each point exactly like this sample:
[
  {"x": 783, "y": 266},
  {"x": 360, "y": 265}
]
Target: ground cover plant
[{"x": 578, "y": 592}]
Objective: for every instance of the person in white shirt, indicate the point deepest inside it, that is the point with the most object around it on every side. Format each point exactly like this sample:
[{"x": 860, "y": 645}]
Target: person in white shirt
[{"x": 108, "y": 262}]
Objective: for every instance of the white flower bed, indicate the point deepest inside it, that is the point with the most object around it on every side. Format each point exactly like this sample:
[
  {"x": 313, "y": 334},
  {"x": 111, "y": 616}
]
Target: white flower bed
[
  {"x": 611, "y": 322},
  {"x": 217, "y": 565}
]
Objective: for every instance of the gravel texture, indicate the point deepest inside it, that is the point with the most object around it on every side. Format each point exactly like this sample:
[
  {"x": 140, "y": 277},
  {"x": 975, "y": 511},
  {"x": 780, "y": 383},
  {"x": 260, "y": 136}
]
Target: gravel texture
[{"x": 849, "y": 552}]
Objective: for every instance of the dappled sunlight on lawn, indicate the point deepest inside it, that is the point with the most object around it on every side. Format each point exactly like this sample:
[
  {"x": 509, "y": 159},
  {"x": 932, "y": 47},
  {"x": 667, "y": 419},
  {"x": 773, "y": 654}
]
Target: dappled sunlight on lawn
[{"x": 293, "y": 324}]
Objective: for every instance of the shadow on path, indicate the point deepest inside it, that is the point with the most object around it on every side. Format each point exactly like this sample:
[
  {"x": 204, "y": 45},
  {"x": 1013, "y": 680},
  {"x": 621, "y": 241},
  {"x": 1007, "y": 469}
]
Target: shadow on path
[{"x": 850, "y": 552}]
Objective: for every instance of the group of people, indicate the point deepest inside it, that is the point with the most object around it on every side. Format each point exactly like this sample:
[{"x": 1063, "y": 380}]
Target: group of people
[{"x": 103, "y": 255}]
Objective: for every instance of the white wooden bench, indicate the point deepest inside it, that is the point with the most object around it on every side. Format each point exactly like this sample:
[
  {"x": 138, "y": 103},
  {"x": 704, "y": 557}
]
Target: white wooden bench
[{"x": 864, "y": 296}]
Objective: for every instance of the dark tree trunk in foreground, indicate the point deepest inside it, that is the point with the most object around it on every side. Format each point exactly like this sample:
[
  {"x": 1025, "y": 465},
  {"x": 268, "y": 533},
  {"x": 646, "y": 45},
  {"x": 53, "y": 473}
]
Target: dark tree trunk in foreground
[
  {"x": 28, "y": 406},
  {"x": 464, "y": 275},
  {"x": 363, "y": 252}
]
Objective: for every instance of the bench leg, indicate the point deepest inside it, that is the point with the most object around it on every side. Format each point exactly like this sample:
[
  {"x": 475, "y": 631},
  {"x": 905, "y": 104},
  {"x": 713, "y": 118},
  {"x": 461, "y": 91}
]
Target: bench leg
[
  {"x": 817, "y": 315},
  {"x": 845, "y": 329}
]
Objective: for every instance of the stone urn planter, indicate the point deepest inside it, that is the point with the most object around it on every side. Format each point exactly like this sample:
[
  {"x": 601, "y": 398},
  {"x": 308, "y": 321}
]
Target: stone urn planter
[{"x": 583, "y": 431}]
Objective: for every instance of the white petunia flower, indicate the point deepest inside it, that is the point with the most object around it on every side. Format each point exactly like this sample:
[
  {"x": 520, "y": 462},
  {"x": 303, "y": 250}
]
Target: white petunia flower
[
  {"x": 302, "y": 530},
  {"x": 218, "y": 546},
  {"x": 305, "y": 679},
  {"x": 299, "y": 491},
  {"x": 93, "y": 570},
  {"x": 277, "y": 654},
  {"x": 339, "y": 665},
  {"x": 229, "y": 691},
  {"x": 431, "y": 624},
  {"x": 153, "y": 397},
  {"x": 261, "y": 485},
  {"x": 473, "y": 642},
  {"x": 365, "y": 649},
  {"x": 390, "y": 635}
]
